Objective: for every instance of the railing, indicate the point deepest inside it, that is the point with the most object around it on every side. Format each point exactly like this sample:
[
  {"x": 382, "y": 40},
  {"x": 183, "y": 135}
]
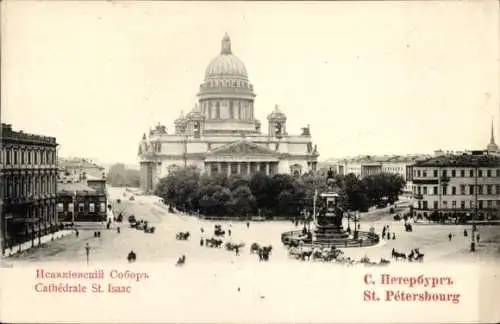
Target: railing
[{"x": 363, "y": 239}]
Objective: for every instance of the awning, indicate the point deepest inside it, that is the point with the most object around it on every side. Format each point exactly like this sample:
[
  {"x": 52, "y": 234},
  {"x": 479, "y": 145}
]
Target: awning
[{"x": 26, "y": 219}]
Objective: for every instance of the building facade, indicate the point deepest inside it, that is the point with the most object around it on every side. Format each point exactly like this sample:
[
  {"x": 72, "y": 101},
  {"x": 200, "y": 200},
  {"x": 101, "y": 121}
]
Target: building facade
[
  {"x": 221, "y": 133},
  {"x": 28, "y": 186},
  {"x": 81, "y": 197},
  {"x": 465, "y": 186},
  {"x": 75, "y": 169}
]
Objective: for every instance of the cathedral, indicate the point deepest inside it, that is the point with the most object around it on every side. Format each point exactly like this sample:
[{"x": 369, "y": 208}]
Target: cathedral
[{"x": 221, "y": 134}]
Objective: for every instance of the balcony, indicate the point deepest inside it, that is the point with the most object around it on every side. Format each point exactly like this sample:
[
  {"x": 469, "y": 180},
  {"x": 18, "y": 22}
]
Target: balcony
[{"x": 445, "y": 178}]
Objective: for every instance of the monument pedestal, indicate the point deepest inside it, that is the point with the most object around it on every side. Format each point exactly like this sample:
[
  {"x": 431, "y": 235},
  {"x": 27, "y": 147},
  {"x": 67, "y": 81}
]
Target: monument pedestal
[{"x": 332, "y": 234}]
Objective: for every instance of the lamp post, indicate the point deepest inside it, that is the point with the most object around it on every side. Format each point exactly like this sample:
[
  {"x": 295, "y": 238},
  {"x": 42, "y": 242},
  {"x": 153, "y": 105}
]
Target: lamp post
[{"x": 87, "y": 251}]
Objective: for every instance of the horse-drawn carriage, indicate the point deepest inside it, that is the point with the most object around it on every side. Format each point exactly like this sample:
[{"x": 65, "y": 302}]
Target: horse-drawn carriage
[
  {"x": 213, "y": 243},
  {"x": 182, "y": 236},
  {"x": 218, "y": 231},
  {"x": 408, "y": 227},
  {"x": 232, "y": 246}
]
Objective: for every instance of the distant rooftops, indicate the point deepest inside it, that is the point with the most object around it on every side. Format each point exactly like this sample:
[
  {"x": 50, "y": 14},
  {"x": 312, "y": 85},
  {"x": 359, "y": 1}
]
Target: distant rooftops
[
  {"x": 475, "y": 159},
  {"x": 374, "y": 159},
  {"x": 78, "y": 163},
  {"x": 71, "y": 188}
]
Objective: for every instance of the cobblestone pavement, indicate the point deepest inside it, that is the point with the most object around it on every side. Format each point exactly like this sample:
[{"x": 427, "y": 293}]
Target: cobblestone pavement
[{"x": 162, "y": 246}]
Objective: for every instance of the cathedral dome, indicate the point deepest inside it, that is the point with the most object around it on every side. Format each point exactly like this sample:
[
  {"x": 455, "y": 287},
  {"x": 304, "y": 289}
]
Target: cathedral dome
[{"x": 226, "y": 64}]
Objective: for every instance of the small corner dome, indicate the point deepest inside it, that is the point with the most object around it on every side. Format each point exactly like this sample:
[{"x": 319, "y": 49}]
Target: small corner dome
[
  {"x": 276, "y": 114},
  {"x": 226, "y": 64}
]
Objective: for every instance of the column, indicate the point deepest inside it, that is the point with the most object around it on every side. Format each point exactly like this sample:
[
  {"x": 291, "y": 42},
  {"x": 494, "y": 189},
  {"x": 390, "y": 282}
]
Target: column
[
  {"x": 239, "y": 167},
  {"x": 248, "y": 168},
  {"x": 208, "y": 168},
  {"x": 219, "y": 167},
  {"x": 228, "y": 168},
  {"x": 267, "y": 168},
  {"x": 258, "y": 167}
]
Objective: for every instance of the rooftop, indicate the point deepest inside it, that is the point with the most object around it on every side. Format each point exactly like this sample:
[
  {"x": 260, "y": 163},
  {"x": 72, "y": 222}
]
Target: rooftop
[
  {"x": 78, "y": 163},
  {"x": 74, "y": 187},
  {"x": 464, "y": 160},
  {"x": 10, "y": 135}
]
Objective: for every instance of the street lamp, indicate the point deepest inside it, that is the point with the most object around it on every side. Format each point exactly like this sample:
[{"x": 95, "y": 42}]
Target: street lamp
[{"x": 87, "y": 251}]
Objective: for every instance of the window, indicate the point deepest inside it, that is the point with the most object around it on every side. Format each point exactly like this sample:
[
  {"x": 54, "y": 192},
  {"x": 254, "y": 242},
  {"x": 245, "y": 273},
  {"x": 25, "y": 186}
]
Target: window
[
  {"x": 480, "y": 173},
  {"x": 481, "y": 203},
  {"x": 489, "y": 203},
  {"x": 60, "y": 207},
  {"x": 479, "y": 190},
  {"x": 81, "y": 207},
  {"x": 453, "y": 190},
  {"x": 462, "y": 173},
  {"x": 418, "y": 173},
  {"x": 462, "y": 204},
  {"x": 445, "y": 204},
  {"x": 471, "y": 173},
  {"x": 498, "y": 173},
  {"x": 92, "y": 207},
  {"x": 489, "y": 189},
  {"x": 453, "y": 204},
  {"x": 435, "y": 173},
  {"x": 445, "y": 173},
  {"x": 425, "y": 190},
  {"x": 435, "y": 205},
  {"x": 435, "y": 190},
  {"x": 424, "y": 173},
  {"x": 445, "y": 190},
  {"x": 462, "y": 189},
  {"x": 424, "y": 204},
  {"x": 471, "y": 189},
  {"x": 453, "y": 173},
  {"x": 71, "y": 207},
  {"x": 102, "y": 207},
  {"x": 15, "y": 157},
  {"x": 497, "y": 189}
]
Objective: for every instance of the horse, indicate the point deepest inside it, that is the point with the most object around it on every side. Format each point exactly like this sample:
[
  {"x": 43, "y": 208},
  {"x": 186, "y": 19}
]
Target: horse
[
  {"x": 264, "y": 253},
  {"x": 182, "y": 236},
  {"x": 384, "y": 261},
  {"x": 396, "y": 255}
]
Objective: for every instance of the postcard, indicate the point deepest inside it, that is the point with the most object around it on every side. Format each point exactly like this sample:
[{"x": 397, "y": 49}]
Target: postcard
[{"x": 250, "y": 162}]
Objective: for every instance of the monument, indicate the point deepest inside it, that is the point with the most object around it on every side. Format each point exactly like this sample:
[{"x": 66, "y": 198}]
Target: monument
[{"x": 328, "y": 229}]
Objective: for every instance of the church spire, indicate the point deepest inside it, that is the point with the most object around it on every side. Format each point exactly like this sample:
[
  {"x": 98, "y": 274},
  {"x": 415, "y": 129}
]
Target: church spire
[
  {"x": 226, "y": 45},
  {"x": 492, "y": 139}
]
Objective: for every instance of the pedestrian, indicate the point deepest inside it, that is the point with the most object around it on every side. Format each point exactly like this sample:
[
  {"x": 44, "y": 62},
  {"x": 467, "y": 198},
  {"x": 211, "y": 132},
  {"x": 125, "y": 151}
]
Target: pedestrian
[
  {"x": 450, "y": 236},
  {"x": 201, "y": 241},
  {"x": 393, "y": 235},
  {"x": 465, "y": 233},
  {"x": 202, "y": 230},
  {"x": 229, "y": 232},
  {"x": 477, "y": 237},
  {"x": 248, "y": 224},
  {"x": 359, "y": 226},
  {"x": 77, "y": 233},
  {"x": 237, "y": 250},
  {"x": 388, "y": 235},
  {"x": 118, "y": 229}
]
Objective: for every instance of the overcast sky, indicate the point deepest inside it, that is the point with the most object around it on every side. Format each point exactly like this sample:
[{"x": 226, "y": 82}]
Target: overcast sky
[{"x": 369, "y": 78}]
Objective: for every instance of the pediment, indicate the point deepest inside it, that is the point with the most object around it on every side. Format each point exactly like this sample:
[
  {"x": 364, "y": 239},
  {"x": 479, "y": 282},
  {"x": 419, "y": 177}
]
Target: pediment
[{"x": 242, "y": 148}]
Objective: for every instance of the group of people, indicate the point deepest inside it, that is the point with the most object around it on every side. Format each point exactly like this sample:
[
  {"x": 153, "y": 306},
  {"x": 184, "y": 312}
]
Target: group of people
[{"x": 387, "y": 234}]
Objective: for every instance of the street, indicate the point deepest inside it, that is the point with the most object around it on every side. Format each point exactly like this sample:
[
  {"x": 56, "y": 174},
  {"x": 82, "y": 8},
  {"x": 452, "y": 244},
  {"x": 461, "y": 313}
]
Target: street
[{"x": 432, "y": 240}]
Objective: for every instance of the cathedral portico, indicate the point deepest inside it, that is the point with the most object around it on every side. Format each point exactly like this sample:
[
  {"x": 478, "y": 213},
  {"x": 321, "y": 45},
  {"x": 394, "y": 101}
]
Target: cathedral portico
[{"x": 221, "y": 135}]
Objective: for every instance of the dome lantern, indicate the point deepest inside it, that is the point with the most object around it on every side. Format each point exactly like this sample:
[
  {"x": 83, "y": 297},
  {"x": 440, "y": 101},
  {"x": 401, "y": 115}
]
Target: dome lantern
[{"x": 226, "y": 45}]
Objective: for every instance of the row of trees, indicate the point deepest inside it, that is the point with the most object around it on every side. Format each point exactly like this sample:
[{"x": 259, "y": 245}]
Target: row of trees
[
  {"x": 120, "y": 176},
  {"x": 278, "y": 195}
]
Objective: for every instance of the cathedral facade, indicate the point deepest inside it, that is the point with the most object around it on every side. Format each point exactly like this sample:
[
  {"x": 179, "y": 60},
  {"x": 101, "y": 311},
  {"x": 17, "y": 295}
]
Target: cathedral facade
[{"x": 221, "y": 134}]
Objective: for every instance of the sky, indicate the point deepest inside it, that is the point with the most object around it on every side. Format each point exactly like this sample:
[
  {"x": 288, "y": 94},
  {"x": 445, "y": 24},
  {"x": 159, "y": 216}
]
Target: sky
[{"x": 368, "y": 77}]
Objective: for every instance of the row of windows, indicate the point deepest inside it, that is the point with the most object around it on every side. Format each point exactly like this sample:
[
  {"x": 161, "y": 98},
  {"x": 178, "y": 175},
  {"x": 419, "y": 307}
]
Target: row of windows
[
  {"x": 463, "y": 204},
  {"x": 70, "y": 207},
  {"x": 461, "y": 190},
  {"x": 229, "y": 83},
  {"x": 11, "y": 156},
  {"x": 24, "y": 186},
  {"x": 459, "y": 173}
]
